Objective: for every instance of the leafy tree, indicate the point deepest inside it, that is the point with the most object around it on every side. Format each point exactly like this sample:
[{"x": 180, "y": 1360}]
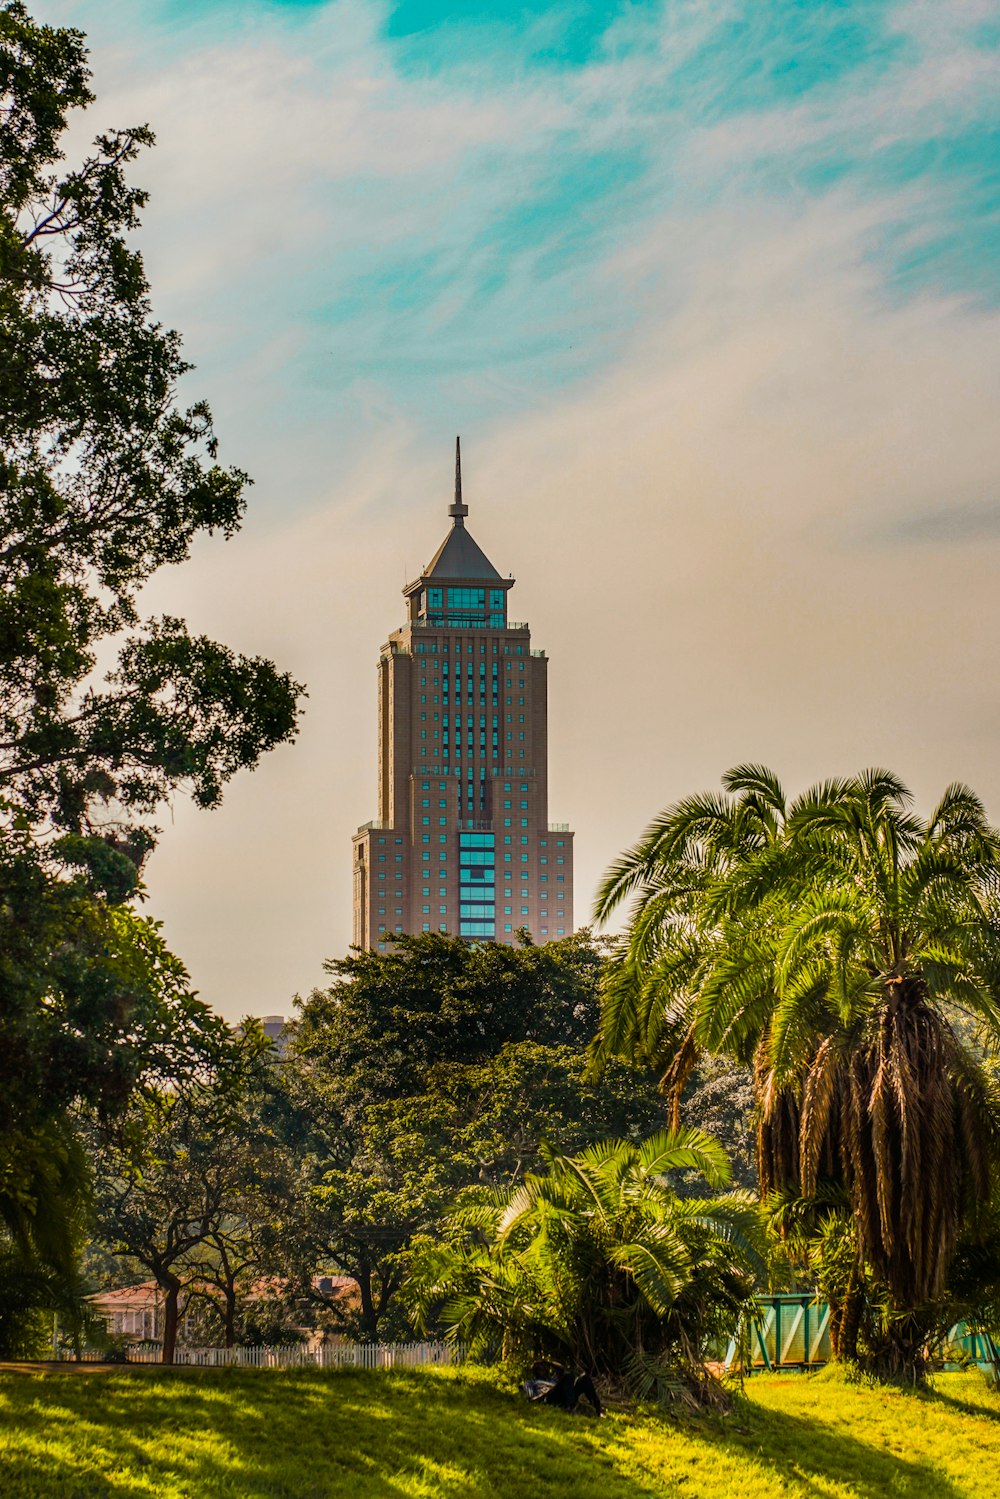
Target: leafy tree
[
  {"x": 364, "y": 1200},
  {"x": 490, "y": 1121},
  {"x": 718, "y": 1098},
  {"x": 829, "y": 942},
  {"x": 232, "y": 1265},
  {"x": 595, "y": 1260},
  {"x": 114, "y": 958},
  {"x": 436, "y": 1065},
  {"x": 44, "y": 1195},
  {"x": 388, "y": 1018},
  {"x": 105, "y": 476},
  {"x": 103, "y": 479},
  {"x": 187, "y": 1193},
  {"x": 157, "y": 1201}
]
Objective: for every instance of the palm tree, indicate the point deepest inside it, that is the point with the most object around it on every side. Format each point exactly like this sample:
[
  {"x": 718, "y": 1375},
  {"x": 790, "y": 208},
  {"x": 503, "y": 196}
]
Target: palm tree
[
  {"x": 846, "y": 948},
  {"x": 695, "y": 871},
  {"x": 599, "y": 1262}
]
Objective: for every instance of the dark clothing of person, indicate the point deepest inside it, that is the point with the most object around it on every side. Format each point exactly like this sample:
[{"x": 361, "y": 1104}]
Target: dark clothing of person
[{"x": 561, "y": 1389}]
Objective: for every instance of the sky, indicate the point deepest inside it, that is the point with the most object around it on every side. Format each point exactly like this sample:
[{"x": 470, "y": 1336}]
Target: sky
[{"x": 711, "y": 290}]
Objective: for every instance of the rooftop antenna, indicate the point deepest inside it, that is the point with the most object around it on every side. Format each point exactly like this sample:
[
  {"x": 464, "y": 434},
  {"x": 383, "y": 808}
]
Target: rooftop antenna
[{"x": 457, "y": 510}]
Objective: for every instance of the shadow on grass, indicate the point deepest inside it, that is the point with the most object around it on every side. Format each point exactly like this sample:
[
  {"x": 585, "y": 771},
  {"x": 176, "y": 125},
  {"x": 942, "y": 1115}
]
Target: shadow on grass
[
  {"x": 291, "y": 1436},
  {"x": 985, "y": 1408},
  {"x": 270, "y": 1435},
  {"x": 798, "y": 1449}
]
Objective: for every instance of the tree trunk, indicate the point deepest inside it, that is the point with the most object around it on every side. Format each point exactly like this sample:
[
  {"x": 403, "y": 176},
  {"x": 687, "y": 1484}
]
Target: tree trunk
[
  {"x": 170, "y": 1319},
  {"x": 230, "y": 1316},
  {"x": 369, "y": 1317},
  {"x": 901, "y": 1357},
  {"x": 845, "y": 1347}
]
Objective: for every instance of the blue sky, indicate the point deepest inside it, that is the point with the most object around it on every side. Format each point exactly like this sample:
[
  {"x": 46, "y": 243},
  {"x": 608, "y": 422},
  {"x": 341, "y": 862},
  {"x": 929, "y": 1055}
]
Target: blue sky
[
  {"x": 711, "y": 289},
  {"x": 493, "y": 157}
]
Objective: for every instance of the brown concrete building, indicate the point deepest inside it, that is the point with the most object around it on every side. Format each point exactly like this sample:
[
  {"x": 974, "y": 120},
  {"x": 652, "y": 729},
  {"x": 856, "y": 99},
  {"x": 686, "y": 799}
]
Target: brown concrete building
[{"x": 462, "y": 842}]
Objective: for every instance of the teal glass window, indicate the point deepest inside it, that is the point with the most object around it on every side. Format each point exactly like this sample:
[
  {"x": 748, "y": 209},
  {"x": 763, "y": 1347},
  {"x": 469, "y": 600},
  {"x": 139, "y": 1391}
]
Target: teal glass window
[
  {"x": 477, "y": 856},
  {"x": 434, "y": 599},
  {"x": 466, "y": 598}
]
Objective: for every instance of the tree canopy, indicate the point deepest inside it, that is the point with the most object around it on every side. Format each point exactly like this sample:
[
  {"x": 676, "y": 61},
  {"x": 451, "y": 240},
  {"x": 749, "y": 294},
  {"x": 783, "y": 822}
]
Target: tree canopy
[
  {"x": 596, "y": 1260},
  {"x": 106, "y": 474},
  {"x": 441, "y": 1063},
  {"x": 832, "y": 941}
]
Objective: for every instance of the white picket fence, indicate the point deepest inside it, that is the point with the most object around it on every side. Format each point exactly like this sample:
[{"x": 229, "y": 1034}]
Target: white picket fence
[{"x": 296, "y": 1356}]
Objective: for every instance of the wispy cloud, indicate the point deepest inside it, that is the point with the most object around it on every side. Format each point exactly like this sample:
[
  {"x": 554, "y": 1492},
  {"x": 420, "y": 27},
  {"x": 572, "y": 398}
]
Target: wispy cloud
[
  {"x": 712, "y": 290},
  {"x": 425, "y": 202},
  {"x": 958, "y": 523}
]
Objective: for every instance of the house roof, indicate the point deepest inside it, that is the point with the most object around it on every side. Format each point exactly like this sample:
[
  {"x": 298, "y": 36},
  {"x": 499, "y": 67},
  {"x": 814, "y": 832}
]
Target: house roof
[
  {"x": 126, "y": 1296},
  {"x": 147, "y": 1292}
]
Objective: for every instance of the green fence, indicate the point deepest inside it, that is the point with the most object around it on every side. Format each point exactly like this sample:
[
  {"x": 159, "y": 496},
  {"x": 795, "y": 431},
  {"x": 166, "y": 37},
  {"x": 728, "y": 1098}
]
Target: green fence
[{"x": 793, "y": 1332}]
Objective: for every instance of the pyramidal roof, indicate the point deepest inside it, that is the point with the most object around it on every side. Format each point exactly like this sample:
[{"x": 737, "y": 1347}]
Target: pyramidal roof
[{"x": 459, "y": 556}]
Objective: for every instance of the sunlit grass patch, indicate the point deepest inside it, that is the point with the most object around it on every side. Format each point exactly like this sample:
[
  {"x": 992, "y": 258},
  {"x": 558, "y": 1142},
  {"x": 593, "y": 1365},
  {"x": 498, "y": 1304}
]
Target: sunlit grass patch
[{"x": 438, "y": 1434}]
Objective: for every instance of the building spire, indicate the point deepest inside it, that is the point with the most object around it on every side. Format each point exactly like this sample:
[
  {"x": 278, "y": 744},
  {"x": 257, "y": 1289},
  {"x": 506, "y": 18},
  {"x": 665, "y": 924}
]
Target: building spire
[{"x": 457, "y": 510}]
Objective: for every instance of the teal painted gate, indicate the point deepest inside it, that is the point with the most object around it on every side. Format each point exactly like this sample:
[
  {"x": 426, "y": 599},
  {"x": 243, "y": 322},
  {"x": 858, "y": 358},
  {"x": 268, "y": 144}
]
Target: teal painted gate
[{"x": 793, "y": 1332}]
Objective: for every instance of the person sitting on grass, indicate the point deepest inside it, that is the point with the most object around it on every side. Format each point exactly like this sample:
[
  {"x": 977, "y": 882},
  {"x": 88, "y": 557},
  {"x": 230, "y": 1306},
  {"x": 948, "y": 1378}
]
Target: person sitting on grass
[{"x": 554, "y": 1384}]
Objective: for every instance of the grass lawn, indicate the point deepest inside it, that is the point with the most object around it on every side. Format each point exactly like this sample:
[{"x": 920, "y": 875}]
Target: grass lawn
[{"x": 360, "y": 1435}]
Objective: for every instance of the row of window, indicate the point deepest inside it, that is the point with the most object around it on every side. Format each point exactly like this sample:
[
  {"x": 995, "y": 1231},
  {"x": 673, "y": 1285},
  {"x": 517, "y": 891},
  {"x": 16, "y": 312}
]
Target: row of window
[
  {"x": 465, "y": 598},
  {"x": 445, "y": 681},
  {"x": 467, "y": 621},
  {"x": 481, "y": 910},
  {"x": 471, "y": 927},
  {"x": 443, "y": 786},
  {"x": 456, "y": 720},
  {"x": 430, "y": 648}
]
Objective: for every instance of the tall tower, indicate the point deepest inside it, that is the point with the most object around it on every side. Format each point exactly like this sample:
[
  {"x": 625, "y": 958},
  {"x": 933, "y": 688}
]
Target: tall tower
[{"x": 462, "y": 842}]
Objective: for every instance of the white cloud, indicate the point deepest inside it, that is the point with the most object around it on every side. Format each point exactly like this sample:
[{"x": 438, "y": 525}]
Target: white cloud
[
  {"x": 700, "y": 524},
  {"x": 688, "y": 533}
]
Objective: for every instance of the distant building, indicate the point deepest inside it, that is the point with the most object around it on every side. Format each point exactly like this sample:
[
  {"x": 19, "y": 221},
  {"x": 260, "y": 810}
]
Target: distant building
[
  {"x": 462, "y": 842},
  {"x": 132, "y": 1312},
  {"x": 273, "y": 1027},
  {"x": 137, "y": 1312}
]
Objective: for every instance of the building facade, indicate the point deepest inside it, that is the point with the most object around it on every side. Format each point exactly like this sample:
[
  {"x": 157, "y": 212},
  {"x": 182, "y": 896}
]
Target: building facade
[{"x": 462, "y": 842}]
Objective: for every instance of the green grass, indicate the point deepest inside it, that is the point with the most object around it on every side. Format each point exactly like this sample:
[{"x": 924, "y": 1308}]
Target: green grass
[{"x": 445, "y": 1435}]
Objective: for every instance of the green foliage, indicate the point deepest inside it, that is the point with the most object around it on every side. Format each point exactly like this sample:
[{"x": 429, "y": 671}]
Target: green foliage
[
  {"x": 193, "y": 1191},
  {"x": 599, "y": 1262},
  {"x": 440, "y": 1064},
  {"x": 389, "y": 1018},
  {"x": 65, "y": 1051},
  {"x": 829, "y": 943},
  {"x": 718, "y": 1098},
  {"x": 104, "y": 478}
]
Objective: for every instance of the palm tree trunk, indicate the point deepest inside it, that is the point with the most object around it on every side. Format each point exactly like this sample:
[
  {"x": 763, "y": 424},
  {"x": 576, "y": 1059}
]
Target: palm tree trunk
[
  {"x": 902, "y": 1356},
  {"x": 848, "y": 1324}
]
